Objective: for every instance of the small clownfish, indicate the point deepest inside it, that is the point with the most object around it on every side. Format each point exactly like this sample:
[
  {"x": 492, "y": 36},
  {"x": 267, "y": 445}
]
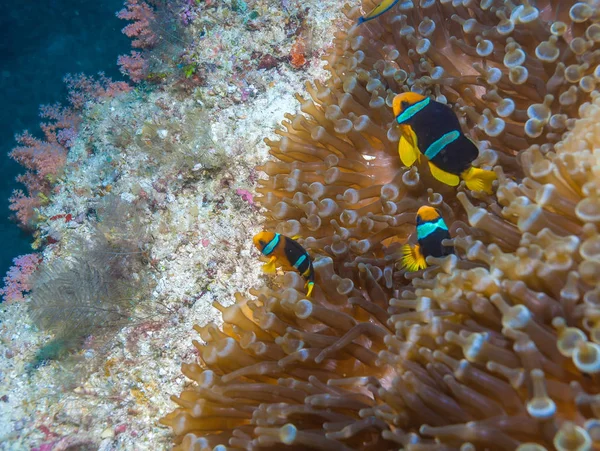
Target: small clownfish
[
  {"x": 380, "y": 9},
  {"x": 432, "y": 129},
  {"x": 431, "y": 230},
  {"x": 286, "y": 253}
]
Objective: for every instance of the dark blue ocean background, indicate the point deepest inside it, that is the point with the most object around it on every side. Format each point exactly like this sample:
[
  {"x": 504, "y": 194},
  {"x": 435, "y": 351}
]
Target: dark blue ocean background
[{"x": 41, "y": 41}]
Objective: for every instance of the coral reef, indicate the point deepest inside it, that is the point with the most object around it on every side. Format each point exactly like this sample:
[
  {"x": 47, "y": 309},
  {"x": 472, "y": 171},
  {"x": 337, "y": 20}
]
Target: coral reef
[
  {"x": 497, "y": 347},
  {"x": 180, "y": 153}
]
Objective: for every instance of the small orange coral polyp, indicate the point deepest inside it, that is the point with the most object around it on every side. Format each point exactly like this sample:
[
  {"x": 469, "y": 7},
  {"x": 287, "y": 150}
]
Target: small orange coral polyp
[{"x": 297, "y": 53}]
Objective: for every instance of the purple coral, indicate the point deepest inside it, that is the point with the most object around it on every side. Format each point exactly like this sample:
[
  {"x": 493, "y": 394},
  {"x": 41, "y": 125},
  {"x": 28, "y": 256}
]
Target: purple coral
[
  {"x": 245, "y": 195},
  {"x": 188, "y": 14}
]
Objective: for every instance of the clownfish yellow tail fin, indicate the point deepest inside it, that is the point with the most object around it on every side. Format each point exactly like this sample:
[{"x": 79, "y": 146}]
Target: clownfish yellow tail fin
[
  {"x": 479, "y": 179},
  {"x": 412, "y": 259}
]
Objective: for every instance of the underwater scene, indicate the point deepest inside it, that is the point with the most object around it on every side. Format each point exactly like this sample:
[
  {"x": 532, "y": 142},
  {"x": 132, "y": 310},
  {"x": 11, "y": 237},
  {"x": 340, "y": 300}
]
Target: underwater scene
[{"x": 320, "y": 225}]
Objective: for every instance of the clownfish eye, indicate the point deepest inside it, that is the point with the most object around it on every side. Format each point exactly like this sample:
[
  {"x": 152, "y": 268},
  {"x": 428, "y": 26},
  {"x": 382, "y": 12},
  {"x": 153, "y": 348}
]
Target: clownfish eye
[
  {"x": 405, "y": 104},
  {"x": 261, "y": 242}
]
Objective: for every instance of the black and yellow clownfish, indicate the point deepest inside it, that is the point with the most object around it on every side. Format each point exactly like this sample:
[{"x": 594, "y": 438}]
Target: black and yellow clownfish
[
  {"x": 286, "y": 253},
  {"x": 432, "y": 129},
  {"x": 380, "y": 9},
  {"x": 431, "y": 230}
]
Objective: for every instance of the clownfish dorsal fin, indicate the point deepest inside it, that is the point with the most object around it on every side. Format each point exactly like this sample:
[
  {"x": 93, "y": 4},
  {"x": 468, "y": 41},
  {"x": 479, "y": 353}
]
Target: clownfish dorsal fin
[
  {"x": 412, "y": 259},
  {"x": 296, "y": 237},
  {"x": 443, "y": 176}
]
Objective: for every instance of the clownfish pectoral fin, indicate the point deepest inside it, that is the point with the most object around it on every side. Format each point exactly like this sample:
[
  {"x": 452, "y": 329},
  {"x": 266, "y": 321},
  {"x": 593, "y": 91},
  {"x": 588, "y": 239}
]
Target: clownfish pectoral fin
[
  {"x": 412, "y": 258},
  {"x": 269, "y": 268},
  {"x": 310, "y": 286},
  {"x": 408, "y": 152},
  {"x": 443, "y": 176},
  {"x": 479, "y": 179}
]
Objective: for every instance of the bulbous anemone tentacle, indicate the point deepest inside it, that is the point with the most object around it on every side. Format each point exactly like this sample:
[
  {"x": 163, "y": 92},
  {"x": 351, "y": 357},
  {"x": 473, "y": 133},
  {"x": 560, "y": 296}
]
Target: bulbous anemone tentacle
[{"x": 496, "y": 346}]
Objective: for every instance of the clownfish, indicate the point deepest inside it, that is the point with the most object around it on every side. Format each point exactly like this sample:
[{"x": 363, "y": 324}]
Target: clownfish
[
  {"x": 431, "y": 230},
  {"x": 286, "y": 253},
  {"x": 380, "y": 9},
  {"x": 432, "y": 129}
]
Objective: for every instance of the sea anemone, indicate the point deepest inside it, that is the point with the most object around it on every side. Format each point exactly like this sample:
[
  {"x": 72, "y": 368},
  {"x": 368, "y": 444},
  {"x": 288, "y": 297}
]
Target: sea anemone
[{"x": 497, "y": 347}]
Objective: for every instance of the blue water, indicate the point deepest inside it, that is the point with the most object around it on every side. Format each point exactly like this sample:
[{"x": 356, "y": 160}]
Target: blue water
[{"x": 41, "y": 41}]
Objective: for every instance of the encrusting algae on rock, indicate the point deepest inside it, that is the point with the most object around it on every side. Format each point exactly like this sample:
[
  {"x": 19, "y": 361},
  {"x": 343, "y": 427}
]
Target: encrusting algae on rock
[{"x": 496, "y": 347}]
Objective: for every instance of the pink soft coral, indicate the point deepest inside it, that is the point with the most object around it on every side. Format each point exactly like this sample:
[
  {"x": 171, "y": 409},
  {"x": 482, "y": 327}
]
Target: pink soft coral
[
  {"x": 45, "y": 158},
  {"x": 134, "y": 66},
  {"x": 143, "y": 16},
  {"x": 24, "y": 207},
  {"x": 18, "y": 277},
  {"x": 83, "y": 88}
]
